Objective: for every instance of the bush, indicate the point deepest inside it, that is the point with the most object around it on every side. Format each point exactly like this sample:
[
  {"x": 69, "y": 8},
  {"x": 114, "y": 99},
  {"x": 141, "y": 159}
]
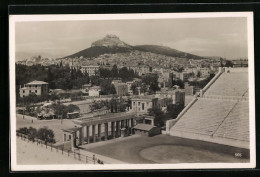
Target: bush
[
  {"x": 31, "y": 132},
  {"x": 46, "y": 135}
]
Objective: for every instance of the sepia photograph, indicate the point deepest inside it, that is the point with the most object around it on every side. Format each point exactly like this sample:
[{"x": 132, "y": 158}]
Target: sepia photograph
[{"x": 132, "y": 91}]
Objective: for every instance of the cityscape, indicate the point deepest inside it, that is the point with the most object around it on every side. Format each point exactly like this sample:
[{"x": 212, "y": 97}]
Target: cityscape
[{"x": 116, "y": 103}]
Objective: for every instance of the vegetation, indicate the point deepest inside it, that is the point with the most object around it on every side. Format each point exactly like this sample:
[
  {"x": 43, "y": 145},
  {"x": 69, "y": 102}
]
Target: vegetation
[
  {"x": 58, "y": 76},
  {"x": 44, "y": 134},
  {"x": 160, "y": 117},
  {"x": 114, "y": 105},
  {"x": 62, "y": 110},
  {"x": 203, "y": 83},
  {"x": 150, "y": 80},
  {"x": 122, "y": 73}
]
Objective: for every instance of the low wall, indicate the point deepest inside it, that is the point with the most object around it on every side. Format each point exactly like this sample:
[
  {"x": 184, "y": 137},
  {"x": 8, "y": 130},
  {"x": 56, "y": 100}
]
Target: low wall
[{"x": 212, "y": 139}]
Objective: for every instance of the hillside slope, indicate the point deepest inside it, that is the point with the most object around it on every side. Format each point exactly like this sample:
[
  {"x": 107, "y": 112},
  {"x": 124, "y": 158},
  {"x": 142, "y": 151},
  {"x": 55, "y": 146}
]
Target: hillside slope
[{"x": 165, "y": 51}]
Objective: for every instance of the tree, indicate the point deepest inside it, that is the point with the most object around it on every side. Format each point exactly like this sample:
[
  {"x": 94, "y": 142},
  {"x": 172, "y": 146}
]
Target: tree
[
  {"x": 229, "y": 63},
  {"x": 107, "y": 88},
  {"x": 152, "y": 81},
  {"x": 134, "y": 88},
  {"x": 32, "y": 133},
  {"x": 179, "y": 83},
  {"x": 159, "y": 116},
  {"x": 114, "y": 71},
  {"x": 198, "y": 74},
  {"x": 46, "y": 135}
]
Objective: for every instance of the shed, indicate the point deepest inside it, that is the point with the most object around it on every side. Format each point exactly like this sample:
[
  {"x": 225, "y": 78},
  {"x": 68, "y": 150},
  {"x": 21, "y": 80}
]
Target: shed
[{"x": 146, "y": 129}]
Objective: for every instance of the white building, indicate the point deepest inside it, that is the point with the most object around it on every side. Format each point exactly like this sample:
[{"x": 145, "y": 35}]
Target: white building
[
  {"x": 91, "y": 70},
  {"x": 36, "y": 87},
  {"x": 94, "y": 91}
]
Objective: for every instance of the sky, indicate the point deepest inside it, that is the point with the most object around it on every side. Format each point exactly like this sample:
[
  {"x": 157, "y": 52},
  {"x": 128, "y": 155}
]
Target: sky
[{"x": 225, "y": 37}]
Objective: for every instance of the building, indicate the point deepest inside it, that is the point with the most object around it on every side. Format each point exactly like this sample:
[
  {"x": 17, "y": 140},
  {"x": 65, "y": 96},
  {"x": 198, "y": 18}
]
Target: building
[
  {"x": 204, "y": 72},
  {"x": 240, "y": 63},
  {"x": 141, "y": 104},
  {"x": 180, "y": 98},
  {"x": 121, "y": 88},
  {"x": 184, "y": 76},
  {"x": 36, "y": 87},
  {"x": 92, "y": 70},
  {"x": 94, "y": 91},
  {"x": 189, "y": 90},
  {"x": 146, "y": 130},
  {"x": 129, "y": 85}
]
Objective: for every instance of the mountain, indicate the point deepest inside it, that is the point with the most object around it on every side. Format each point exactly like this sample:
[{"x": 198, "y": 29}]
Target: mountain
[
  {"x": 110, "y": 41},
  {"x": 111, "y": 44}
]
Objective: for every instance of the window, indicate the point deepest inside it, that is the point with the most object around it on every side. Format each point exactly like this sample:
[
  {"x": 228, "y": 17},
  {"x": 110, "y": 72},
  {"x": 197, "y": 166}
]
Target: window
[
  {"x": 134, "y": 103},
  {"x": 138, "y": 103},
  {"x": 30, "y": 91},
  {"x": 35, "y": 86},
  {"x": 142, "y": 106},
  {"x": 35, "y": 91},
  {"x": 23, "y": 91}
]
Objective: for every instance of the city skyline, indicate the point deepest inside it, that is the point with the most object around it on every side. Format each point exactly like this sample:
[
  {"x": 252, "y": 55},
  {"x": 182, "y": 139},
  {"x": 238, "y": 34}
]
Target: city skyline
[{"x": 225, "y": 37}]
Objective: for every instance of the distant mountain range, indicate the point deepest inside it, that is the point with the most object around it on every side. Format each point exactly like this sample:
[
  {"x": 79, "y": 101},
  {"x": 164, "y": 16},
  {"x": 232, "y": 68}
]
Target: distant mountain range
[{"x": 111, "y": 44}]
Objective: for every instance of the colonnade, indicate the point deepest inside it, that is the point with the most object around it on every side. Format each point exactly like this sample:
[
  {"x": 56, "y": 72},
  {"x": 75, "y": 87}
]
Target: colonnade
[{"x": 118, "y": 128}]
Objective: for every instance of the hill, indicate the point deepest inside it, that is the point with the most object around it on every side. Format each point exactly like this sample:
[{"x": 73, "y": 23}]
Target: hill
[
  {"x": 111, "y": 44},
  {"x": 165, "y": 51}
]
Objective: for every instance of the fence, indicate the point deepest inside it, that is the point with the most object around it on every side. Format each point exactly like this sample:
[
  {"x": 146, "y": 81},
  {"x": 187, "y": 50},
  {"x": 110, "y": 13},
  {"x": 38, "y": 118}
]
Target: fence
[{"x": 61, "y": 150}]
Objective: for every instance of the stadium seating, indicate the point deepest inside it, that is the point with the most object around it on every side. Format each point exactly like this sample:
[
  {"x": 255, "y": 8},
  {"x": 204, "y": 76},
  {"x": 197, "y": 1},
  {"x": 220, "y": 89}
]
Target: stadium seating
[
  {"x": 221, "y": 115},
  {"x": 229, "y": 84}
]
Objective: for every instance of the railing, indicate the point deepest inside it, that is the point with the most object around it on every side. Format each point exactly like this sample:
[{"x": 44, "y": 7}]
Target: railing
[{"x": 61, "y": 150}]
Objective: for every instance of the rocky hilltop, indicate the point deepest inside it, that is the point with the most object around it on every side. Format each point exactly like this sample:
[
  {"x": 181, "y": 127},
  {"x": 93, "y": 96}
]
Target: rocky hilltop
[
  {"x": 111, "y": 44},
  {"x": 109, "y": 41}
]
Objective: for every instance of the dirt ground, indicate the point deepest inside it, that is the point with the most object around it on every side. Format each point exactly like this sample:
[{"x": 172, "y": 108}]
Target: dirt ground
[
  {"x": 29, "y": 153},
  {"x": 168, "y": 149}
]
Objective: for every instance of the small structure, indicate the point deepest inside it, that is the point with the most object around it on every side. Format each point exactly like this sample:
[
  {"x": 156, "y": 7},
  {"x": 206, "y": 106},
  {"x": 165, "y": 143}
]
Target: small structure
[
  {"x": 146, "y": 130},
  {"x": 94, "y": 91},
  {"x": 73, "y": 115}
]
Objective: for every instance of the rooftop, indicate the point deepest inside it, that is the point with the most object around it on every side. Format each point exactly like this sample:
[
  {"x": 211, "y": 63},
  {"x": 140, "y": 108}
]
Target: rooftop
[
  {"x": 36, "y": 83},
  {"x": 145, "y": 127},
  {"x": 109, "y": 117}
]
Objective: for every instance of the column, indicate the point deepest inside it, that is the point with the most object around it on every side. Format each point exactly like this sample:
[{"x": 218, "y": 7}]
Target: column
[
  {"x": 122, "y": 123},
  {"x": 81, "y": 139},
  {"x": 87, "y": 134},
  {"x": 117, "y": 128},
  {"x": 94, "y": 133},
  {"x": 99, "y": 132},
  {"x": 127, "y": 123},
  {"x": 132, "y": 122},
  {"x": 64, "y": 137},
  {"x": 106, "y": 131},
  {"x": 73, "y": 140},
  {"x": 132, "y": 125},
  {"x": 113, "y": 129}
]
